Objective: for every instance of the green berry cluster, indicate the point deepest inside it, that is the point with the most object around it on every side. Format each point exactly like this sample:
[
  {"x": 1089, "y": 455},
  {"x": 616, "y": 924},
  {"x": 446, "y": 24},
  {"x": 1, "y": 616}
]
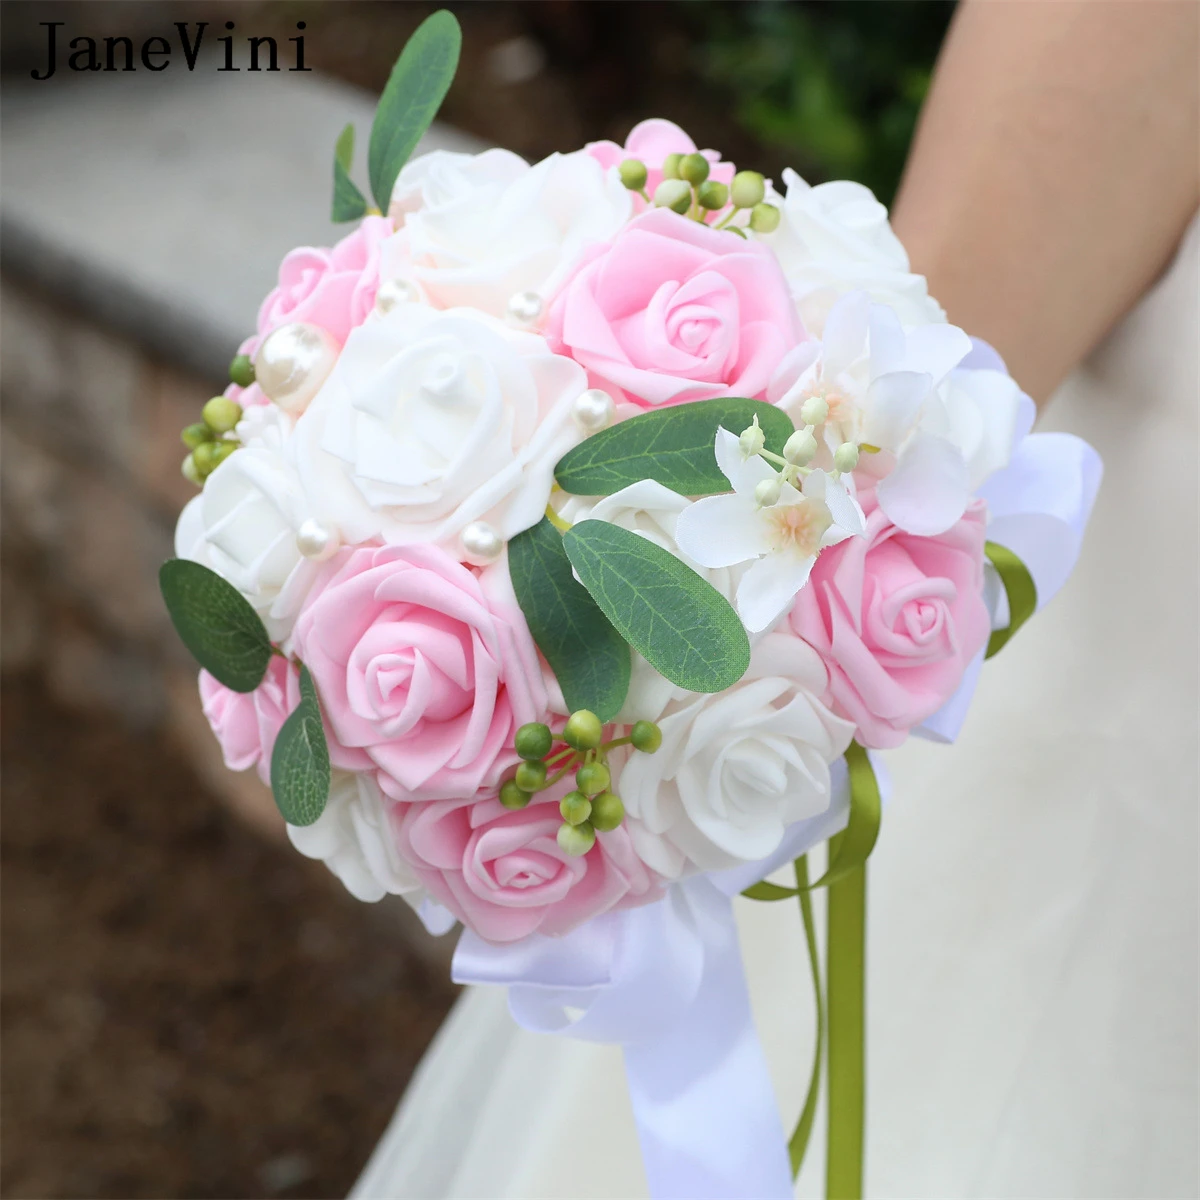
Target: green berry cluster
[
  {"x": 687, "y": 190},
  {"x": 592, "y": 807},
  {"x": 210, "y": 441}
]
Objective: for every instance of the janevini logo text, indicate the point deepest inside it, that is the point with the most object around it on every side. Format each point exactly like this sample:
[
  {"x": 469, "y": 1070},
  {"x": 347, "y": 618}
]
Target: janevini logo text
[{"x": 157, "y": 53}]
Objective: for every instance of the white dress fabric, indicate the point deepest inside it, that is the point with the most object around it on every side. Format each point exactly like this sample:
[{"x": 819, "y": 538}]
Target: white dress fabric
[{"x": 1032, "y": 956}]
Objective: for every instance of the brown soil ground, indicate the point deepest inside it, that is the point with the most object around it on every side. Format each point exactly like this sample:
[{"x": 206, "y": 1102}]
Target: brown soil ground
[{"x": 187, "y": 1011}]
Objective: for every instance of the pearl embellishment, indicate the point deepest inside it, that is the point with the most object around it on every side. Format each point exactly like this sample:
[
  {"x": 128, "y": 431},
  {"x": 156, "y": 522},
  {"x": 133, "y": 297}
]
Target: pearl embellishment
[
  {"x": 316, "y": 540},
  {"x": 594, "y": 410},
  {"x": 525, "y": 307},
  {"x": 481, "y": 544},
  {"x": 292, "y": 363},
  {"x": 393, "y": 292}
]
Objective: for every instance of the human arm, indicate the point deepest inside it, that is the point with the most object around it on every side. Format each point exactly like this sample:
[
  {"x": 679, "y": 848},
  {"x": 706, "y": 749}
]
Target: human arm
[{"x": 1055, "y": 167}]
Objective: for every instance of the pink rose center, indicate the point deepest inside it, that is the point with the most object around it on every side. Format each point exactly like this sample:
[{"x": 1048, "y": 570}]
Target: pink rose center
[
  {"x": 416, "y": 666},
  {"x": 914, "y": 621},
  {"x": 520, "y": 864}
]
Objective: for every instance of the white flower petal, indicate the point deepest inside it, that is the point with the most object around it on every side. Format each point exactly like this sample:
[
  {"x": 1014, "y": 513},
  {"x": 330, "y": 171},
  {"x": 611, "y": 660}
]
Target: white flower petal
[
  {"x": 888, "y": 345},
  {"x": 937, "y": 349},
  {"x": 928, "y": 490},
  {"x": 769, "y": 587},
  {"x": 843, "y": 507},
  {"x": 744, "y": 474},
  {"x": 893, "y": 407},
  {"x": 845, "y": 334},
  {"x": 719, "y": 531}
]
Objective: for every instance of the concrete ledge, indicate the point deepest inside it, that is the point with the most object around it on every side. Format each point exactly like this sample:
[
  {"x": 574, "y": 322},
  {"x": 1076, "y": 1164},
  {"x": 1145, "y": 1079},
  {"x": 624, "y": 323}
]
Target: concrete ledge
[{"x": 161, "y": 205}]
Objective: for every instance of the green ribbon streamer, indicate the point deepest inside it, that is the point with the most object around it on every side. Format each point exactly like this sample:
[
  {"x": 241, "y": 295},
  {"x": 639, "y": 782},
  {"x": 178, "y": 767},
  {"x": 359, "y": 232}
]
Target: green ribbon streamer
[
  {"x": 846, "y": 922},
  {"x": 798, "y": 1143},
  {"x": 1018, "y": 587},
  {"x": 850, "y": 849},
  {"x": 840, "y": 1004}
]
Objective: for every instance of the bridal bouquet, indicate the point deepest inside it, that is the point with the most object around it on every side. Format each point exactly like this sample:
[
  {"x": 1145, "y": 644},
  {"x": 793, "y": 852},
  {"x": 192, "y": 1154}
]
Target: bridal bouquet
[{"x": 566, "y": 538}]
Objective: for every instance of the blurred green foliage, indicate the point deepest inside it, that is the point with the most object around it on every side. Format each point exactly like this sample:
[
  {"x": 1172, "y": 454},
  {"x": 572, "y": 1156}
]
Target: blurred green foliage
[{"x": 836, "y": 84}]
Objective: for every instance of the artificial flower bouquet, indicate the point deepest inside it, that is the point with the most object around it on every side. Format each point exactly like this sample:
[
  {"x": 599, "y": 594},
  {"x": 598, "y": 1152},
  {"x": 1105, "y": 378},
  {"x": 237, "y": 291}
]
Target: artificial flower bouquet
[{"x": 568, "y": 536}]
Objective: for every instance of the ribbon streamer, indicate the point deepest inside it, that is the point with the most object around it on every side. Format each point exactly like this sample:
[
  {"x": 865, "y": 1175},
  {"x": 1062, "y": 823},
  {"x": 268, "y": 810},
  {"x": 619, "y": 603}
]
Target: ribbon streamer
[{"x": 1020, "y": 590}]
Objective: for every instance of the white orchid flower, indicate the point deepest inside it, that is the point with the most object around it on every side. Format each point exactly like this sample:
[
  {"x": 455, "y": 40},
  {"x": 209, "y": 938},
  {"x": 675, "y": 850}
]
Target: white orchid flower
[
  {"x": 869, "y": 382},
  {"x": 784, "y": 537}
]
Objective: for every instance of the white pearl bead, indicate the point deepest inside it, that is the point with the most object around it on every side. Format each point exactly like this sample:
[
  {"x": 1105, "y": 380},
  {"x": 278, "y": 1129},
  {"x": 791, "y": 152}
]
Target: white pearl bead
[
  {"x": 594, "y": 410},
  {"x": 292, "y": 363},
  {"x": 525, "y": 307},
  {"x": 393, "y": 292},
  {"x": 481, "y": 544},
  {"x": 316, "y": 540}
]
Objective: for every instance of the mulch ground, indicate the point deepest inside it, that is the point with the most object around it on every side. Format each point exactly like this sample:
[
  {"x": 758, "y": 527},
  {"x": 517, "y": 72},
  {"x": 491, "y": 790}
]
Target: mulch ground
[{"x": 186, "y": 1010}]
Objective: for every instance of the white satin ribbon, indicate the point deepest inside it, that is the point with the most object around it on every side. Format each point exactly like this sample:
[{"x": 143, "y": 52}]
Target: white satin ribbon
[{"x": 665, "y": 982}]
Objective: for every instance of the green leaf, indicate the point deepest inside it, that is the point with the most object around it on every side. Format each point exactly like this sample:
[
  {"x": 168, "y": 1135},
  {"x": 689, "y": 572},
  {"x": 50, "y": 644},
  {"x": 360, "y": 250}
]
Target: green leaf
[
  {"x": 300, "y": 760},
  {"x": 216, "y": 623},
  {"x": 671, "y": 445},
  {"x": 348, "y": 202},
  {"x": 415, "y": 90},
  {"x": 588, "y": 656},
  {"x": 675, "y": 620}
]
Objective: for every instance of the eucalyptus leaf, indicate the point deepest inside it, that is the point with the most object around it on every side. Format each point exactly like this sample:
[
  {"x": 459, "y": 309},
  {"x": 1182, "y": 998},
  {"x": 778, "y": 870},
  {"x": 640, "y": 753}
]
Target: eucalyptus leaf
[
  {"x": 671, "y": 445},
  {"x": 300, "y": 770},
  {"x": 588, "y": 656},
  {"x": 415, "y": 90},
  {"x": 675, "y": 620},
  {"x": 348, "y": 202},
  {"x": 216, "y": 623}
]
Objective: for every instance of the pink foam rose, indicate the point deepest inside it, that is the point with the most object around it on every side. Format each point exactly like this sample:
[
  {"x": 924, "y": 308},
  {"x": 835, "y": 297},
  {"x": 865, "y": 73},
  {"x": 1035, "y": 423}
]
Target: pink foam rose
[
  {"x": 333, "y": 288},
  {"x": 501, "y": 872},
  {"x": 424, "y": 669},
  {"x": 897, "y": 618},
  {"x": 672, "y": 311},
  {"x": 247, "y": 723},
  {"x": 650, "y": 142}
]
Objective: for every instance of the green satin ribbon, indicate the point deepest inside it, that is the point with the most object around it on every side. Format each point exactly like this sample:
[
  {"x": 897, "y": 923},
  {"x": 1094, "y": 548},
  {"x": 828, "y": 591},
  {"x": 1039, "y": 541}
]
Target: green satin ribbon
[
  {"x": 846, "y": 950},
  {"x": 1018, "y": 587},
  {"x": 850, "y": 849},
  {"x": 840, "y": 1004},
  {"x": 798, "y": 1143}
]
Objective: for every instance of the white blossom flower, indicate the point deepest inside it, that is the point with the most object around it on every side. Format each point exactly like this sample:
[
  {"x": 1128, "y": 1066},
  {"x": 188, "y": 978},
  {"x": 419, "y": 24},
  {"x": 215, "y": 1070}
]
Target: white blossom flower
[
  {"x": 835, "y": 238},
  {"x": 785, "y": 536},
  {"x": 355, "y": 841},
  {"x": 478, "y": 229},
  {"x": 735, "y": 769},
  {"x": 431, "y": 421},
  {"x": 871, "y": 382}
]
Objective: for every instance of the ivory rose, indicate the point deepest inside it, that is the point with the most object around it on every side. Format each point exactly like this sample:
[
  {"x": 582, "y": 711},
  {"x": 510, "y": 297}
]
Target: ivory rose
[
  {"x": 424, "y": 669},
  {"x": 503, "y": 873},
  {"x": 246, "y": 724},
  {"x": 896, "y": 619},
  {"x": 243, "y": 526},
  {"x": 430, "y": 421},
  {"x": 835, "y": 238},
  {"x": 650, "y": 142},
  {"x": 736, "y": 768},
  {"x": 355, "y": 840},
  {"x": 478, "y": 228},
  {"x": 331, "y": 288},
  {"x": 672, "y": 311}
]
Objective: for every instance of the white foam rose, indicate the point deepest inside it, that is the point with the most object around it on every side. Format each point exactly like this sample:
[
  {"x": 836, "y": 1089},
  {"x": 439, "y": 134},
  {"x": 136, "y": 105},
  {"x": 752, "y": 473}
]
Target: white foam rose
[
  {"x": 737, "y": 768},
  {"x": 651, "y": 510},
  {"x": 431, "y": 421},
  {"x": 835, "y": 238},
  {"x": 354, "y": 840},
  {"x": 243, "y": 525},
  {"x": 480, "y": 228}
]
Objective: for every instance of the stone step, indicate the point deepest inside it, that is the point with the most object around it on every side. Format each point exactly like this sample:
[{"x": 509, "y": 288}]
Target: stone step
[{"x": 161, "y": 205}]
